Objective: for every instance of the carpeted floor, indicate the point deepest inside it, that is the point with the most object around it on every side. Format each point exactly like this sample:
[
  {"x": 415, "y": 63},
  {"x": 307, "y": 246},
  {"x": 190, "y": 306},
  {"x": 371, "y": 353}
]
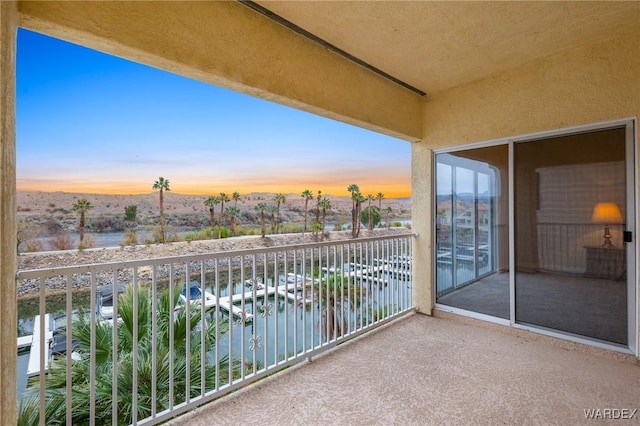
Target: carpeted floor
[{"x": 590, "y": 307}]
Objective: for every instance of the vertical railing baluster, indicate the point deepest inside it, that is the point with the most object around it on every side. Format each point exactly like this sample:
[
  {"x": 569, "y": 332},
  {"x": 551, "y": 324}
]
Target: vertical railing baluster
[
  {"x": 134, "y": 390},
  {"x": 361, "y": 283},
  {"x": 217, "y": 320},
  {"x": 92, "y": 351},
  {"x": 254, "y": 310},
  {"x": 69, "y": 350},
  {"x": 395, "y": 270},
  {"x": 339, "y": 277},
  {"x": 265, "y": 310},
  {"x": 403, "y": 303},
  {"x": 402, "y": 290},
  {"x": 334, "y": 297},
  {"x": 337, "y": 287},
  {"x": 324, "y": 299},
  {"x": 398, "y": 262},
  {"x": 42, "y": 311},
  {"x": 243, "y": 324},
  {"x": 375, "y": 300},
  {"x": 349, "y": 287},
  {"x": 231, "y": 288},
  {"x": 410, "y": 268},
  {"x": 313, "y": 300},
  {"x": 203, "y": 329},
  {"x": 154, "y": 340},
  {"x": 276, "y": 299},
  {"x": 294, "y": 305},
  {"x": 286, "y": 311},
  {"x": 171, "y": 318},
  {"x": 187, "y": 332},
  {"x": 114, "y": 330},
  {"x": 305, "y": 273}
]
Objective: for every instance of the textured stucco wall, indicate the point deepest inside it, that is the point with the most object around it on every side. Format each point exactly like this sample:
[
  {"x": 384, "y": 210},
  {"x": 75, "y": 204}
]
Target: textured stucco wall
[
  {"x": 589, "y": 84},
  {"x": 594, "y": 83},
  {"x": 421, "y": 205},
  {"x": 8, "y": 259},
  {"x": 229, "y": 45}
]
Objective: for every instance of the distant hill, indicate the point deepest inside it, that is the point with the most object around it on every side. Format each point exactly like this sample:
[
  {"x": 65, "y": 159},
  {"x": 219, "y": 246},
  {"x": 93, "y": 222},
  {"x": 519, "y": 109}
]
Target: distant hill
[{"x": 59, "y": 203}]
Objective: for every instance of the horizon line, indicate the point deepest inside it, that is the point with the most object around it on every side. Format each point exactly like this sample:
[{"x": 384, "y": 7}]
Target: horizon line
[{"x": 197, "y": 194}]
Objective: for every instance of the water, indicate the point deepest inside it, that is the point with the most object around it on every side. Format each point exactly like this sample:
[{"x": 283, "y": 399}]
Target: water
[
  {"x": 297, "y": 326},
  {"x": 108, "y": 239}
]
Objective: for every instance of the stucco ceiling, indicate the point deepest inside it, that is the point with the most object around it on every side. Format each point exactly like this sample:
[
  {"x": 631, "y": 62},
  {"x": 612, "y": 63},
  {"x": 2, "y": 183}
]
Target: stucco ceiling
[{"x": 435, "y": 46}]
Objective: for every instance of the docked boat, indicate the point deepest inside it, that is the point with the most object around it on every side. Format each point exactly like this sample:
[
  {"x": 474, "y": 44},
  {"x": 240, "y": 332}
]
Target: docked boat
[
  {"x": 193, "y": 293},
  {"x": 104, "y": 300}
]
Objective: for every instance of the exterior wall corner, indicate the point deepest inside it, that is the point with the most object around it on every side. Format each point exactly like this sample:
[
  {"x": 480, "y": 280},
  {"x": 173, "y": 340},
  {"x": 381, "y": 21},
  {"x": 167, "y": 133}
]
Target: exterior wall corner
[{"x": 8, "y": 250}]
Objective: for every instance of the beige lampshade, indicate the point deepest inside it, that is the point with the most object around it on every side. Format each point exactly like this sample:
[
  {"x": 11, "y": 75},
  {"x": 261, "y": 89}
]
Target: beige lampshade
[{"x": 607, "y": 213}]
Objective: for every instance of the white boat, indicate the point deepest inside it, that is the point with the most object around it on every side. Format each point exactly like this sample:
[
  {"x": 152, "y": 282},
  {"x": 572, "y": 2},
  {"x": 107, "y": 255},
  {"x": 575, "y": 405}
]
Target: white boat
[
  {"x": 104, "y": 300},
  {"x": 195, "y": 294}
]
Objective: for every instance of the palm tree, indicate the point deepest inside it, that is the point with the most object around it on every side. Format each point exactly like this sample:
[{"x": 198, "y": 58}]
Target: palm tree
[
  {"x": 262, "y": 207},
  {"x": 389, "y": 210},
  {"x": 325, "y": 204},
  {"x": 336, "y": 298},
  {"x": 370, "y": 224},
  {"x": 279, "y": 199},
  {"x": 171, "y": 325},
  {"x": 359, "y": 200},
  {"x": 306, "y": 195},
  {"x": 233, "y": 213},
  {"x": 355, "y": 193},
  {"x": 223, "y": 198},
  {"x": 163, "y": 185},
  {"x": 236, "y": 197},
  {"x": 272, "y": 210},
  {"x": 379, "y": 197},
  {"x": 316, "y": 221},
  {"x": 211, "y": 202},
  {"x": 82, "y": 206}
]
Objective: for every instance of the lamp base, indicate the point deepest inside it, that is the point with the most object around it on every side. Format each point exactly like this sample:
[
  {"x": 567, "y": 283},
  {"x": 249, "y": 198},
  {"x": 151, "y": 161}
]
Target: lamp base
[{"x": 607, "y": 238}]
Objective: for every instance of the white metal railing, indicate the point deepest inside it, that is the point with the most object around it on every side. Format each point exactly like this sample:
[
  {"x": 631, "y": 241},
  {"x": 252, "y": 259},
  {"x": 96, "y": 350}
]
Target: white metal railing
[{"x": 188, "y": 329}]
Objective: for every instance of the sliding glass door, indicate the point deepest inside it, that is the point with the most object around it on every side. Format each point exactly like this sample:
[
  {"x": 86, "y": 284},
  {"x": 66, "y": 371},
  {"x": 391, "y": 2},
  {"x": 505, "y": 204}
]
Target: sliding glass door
[
  {"x": 556, "y": 250},
  {"x": 570, "y": 204},
  {"x": 471, "y": 197}
]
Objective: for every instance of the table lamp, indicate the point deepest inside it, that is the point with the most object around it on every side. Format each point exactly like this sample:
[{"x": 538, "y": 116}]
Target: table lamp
[{"x": 607, "y": 214}]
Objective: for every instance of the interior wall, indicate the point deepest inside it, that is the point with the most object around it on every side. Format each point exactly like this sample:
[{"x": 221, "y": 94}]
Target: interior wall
[
  {"x": 569, "y": 150},
  {"x": 593, "y": 83}
]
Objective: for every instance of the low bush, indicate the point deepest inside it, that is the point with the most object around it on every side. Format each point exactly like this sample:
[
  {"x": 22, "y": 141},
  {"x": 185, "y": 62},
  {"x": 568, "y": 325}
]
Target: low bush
[
  {"x": 88, "y": 241},
  {"x": 33, "y": 246},
  {"x": 130, "y": 238},
  {"x": 61, "y": 241}
]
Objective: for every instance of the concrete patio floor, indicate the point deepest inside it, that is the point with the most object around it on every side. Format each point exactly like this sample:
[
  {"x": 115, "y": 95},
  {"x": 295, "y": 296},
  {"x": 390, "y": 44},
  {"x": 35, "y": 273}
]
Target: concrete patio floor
[{"x": 444, "y": 369}]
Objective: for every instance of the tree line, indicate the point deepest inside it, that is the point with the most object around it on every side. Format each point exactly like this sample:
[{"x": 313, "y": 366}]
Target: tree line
[{"x": 224, "y": 215}]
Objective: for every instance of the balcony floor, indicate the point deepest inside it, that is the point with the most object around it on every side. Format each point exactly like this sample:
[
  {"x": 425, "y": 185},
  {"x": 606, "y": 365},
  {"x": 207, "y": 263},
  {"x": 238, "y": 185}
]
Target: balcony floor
[{"x": 437, "y": 370}]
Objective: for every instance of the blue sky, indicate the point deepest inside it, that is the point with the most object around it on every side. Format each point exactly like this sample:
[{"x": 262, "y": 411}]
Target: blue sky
[{"x": 90, "y": 122}]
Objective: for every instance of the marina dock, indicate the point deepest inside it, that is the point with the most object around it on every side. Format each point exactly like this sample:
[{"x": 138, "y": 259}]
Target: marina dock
[{"x": 33, "y": 341}]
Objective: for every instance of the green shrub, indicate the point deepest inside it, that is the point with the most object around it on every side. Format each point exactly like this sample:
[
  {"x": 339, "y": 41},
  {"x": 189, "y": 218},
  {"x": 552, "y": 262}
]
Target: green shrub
[{"x": 290, "y": 228}]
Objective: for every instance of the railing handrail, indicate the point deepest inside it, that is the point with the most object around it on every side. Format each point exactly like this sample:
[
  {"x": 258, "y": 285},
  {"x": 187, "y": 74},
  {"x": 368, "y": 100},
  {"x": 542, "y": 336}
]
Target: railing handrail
[{"x": 150, "y": 261}]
